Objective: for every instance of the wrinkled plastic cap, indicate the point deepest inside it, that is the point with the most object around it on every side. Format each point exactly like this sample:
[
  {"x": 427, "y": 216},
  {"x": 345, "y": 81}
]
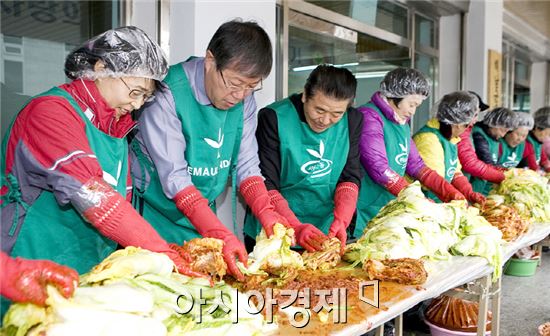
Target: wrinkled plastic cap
[
  {"x": 402, "y": 82},
  {"x": 500, "y": 117},
  {"x": 456, "y": 108},
  {"x": 125, "y": 51},
  {"x": 523, "y": 119},
  {"x": 542, "y": 117}
]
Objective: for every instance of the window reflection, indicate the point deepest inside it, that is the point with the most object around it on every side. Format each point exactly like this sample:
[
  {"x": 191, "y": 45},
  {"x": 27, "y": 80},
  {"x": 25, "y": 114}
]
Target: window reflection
[
  {"x": 382, "y": 14},
  {"x": 36, "y": 36}
]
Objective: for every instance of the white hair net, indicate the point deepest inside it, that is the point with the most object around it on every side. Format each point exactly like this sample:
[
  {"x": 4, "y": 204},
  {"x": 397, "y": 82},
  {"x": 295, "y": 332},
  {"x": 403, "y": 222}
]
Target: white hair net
[
  {"x": 499, "y": 117},
  {"x": 125, "y": 51},
  {"x": 456, "y": 108},
  {"x": 542, "y": 117},
  {"x": 523, "y": 119},
  {"x": 402, "y": 82}
]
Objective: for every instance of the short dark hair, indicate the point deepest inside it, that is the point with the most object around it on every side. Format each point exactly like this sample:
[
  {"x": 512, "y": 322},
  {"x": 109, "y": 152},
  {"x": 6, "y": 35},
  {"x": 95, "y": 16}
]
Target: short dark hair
[
  {"x": 395, "y": 101},
  {"x": 446, "y": 130},
  {"x": 334, "y": 82},
  {"x": 244, "y": 45}
]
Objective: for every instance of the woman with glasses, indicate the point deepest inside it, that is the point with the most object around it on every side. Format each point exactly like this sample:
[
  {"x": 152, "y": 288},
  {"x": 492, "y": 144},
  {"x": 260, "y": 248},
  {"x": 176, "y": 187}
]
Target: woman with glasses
[
  {"x": 486, "y": 135},
  {"x": 386, "y": 147},
  {"x": 198, "y": 133},
  {"x": 437, "y": 140},
  {"x": 65, "y": 174}
]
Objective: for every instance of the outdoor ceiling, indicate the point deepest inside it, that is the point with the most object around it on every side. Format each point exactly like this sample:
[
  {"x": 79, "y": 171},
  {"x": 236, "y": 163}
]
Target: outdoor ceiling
[{"x": 534, "y": 12}]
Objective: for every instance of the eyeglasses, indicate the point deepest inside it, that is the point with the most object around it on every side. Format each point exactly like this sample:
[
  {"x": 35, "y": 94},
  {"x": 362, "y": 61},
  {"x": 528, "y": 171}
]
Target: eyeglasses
[
  {"x": 246, "y": 89},
  {"x": 138, "y": 94}
]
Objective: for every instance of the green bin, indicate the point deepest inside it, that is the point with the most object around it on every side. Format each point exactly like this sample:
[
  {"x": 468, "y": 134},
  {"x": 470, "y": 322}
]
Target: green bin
[{"x": 521, "y": 267}]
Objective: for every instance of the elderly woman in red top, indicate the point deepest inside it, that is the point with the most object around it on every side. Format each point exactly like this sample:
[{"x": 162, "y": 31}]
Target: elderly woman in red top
[{"x": 65, "y": 175}]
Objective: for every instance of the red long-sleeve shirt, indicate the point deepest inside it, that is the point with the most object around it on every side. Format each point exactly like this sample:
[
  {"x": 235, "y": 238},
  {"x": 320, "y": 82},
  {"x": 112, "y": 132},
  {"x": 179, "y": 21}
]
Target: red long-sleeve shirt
[{"x": 471, "y": 164}]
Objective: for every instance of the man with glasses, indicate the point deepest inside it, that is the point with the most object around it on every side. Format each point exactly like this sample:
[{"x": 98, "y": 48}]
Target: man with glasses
[{"x": 198, "y": 132}]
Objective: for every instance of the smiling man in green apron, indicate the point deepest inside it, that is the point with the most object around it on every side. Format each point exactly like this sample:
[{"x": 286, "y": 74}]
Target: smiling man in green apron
[
  {"x": 386, "y": 147},
  {"x": 309, "y": 155},
  {"x": 65, "y": 176},
  {"x": 512, "y": 144},
  {"x": 198, "y": 133},
  {"x": 437, "y": 140},
  {"x": 486, "y": 135}
]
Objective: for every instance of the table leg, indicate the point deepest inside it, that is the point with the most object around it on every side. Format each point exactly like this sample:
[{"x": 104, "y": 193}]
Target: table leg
[
  {"x": 485, "y": 285},
  {"x": 495, "y": 307},
  {"x": 380, "y": 330},
  {"x": 399, "y": 325}
]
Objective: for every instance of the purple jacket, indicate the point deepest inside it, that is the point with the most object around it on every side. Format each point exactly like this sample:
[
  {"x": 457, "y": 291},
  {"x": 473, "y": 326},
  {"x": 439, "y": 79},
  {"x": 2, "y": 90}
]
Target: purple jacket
[{"x": 372, "y": 148}]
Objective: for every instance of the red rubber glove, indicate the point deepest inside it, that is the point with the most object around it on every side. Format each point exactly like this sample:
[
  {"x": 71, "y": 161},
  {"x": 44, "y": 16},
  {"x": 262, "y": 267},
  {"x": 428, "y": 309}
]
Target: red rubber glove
[
  {"x": 256, "y": 196},
  {"x": 186, "y": 268},
  {"x": 307, "y": 235},
  {"x": 444, "y": 191},
  {"x": 395, "y": 186},
  {"x": 461, "y": 183},
  {"x": 116, "y": 219},
  {"x": 494, "y": 174},
  {"x": 24, "y": 280},
  {"x": 345, "y": 203},
  {"x": 195, "y": 207}
]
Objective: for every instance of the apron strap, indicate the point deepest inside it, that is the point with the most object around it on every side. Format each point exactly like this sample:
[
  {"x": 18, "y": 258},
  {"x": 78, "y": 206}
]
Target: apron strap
[
  {"x": 234, "y": 200},
  {"x": 13, "y": 195},
  {"x": 144, "y": 164}
]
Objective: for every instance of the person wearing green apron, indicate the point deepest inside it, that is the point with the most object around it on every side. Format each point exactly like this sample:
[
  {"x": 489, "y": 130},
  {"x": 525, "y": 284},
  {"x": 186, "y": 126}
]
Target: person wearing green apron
[
  {"x": 437, "y": 140},
  {"x": 386, "y": 148},
  {"x": 472, "y": 166},
  {"x": 65, "y": 175},
  {"x": 486, "y": 135},
  {"x": 309, "y": 155},
  {"x": 199, "y": 133},
  {"x": 512, "y": 144},
  {"x": 533, "y": 156}
]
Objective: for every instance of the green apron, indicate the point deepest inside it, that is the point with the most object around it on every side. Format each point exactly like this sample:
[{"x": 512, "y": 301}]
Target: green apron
[
  {"x": 537, "y": 147},
  {"x": 212, "y": 139},
  {"x": 59, "y": 233},
  {"x": 372, "y": 196},
  {"x": 510, "y": 157},
  {"x": 450, "y": 153},
  {"x": 479, "y": 185},
  {"x": 311, "y": 165}
]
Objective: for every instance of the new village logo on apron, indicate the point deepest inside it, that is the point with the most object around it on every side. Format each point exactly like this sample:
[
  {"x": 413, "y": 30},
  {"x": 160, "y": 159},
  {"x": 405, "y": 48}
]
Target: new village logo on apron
[
  {"x": 402, "y": 158},
  {"x": 317, "y": 168}
]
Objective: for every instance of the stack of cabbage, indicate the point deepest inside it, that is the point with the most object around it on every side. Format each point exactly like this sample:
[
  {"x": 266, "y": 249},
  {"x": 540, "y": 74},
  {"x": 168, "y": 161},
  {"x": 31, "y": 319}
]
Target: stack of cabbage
[
  {"x": 135, "y": 292},
  {"x": 411, "y": 226},
  {"x": 527, "y": 192}
]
